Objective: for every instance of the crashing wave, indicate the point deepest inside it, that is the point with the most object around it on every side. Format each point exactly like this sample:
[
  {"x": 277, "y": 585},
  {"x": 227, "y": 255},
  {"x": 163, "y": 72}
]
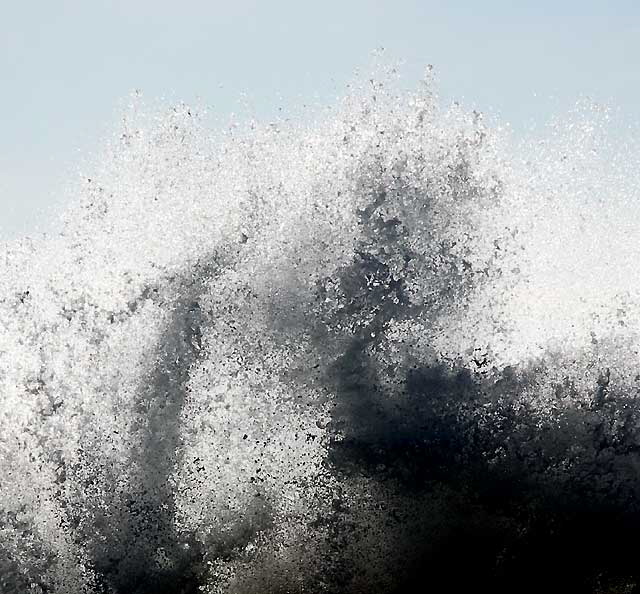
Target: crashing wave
[{"x": 384, "y": 347}]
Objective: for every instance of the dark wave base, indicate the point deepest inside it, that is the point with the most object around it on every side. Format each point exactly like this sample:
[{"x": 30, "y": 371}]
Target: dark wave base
[
  {"x": 530, "y": 523},
  {"x": 446, "y": 520},
  {"x": 557, "y": 511},
  {"x": 442, "y": 516}
]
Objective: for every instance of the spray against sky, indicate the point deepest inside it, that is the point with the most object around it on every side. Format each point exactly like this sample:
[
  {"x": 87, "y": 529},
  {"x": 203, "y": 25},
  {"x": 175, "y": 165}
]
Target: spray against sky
[
  {"x": 66, "y": 67},
  {"x": 343, "y": 353}
]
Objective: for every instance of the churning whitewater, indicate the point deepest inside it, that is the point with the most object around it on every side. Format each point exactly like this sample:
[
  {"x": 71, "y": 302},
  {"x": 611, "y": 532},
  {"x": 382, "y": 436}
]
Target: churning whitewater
[{"x": 383, "y": 349}]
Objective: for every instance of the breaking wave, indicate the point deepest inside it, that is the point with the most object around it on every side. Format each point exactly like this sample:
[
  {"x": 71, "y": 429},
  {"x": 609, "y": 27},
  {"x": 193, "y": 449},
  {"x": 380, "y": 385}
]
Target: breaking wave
[{"x": 383, "y": 348}]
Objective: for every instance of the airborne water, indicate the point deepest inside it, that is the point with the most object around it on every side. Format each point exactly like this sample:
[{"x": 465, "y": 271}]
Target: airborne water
[{"x": 388, "y": 348}]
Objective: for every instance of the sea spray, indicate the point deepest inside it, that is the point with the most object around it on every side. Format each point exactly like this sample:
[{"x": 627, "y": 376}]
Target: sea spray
[{"x": 384, "y": 348}]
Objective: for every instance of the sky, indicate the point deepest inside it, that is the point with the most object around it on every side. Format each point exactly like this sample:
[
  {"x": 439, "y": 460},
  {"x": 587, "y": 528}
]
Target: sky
[{"x": 66, "y": 67}]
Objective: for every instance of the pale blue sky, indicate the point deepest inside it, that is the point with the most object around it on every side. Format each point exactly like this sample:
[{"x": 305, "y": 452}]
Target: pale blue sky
[{"x": 65, "y": 66}]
